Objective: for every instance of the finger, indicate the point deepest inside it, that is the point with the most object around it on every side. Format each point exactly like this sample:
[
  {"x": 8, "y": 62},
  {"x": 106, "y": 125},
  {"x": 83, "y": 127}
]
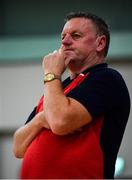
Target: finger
[
  {"x": 54, "y": 51},
  {"x": 60, "y": 51}
]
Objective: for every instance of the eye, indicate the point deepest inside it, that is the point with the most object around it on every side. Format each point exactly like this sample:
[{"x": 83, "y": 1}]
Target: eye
[{"x": 76, "y": 36}]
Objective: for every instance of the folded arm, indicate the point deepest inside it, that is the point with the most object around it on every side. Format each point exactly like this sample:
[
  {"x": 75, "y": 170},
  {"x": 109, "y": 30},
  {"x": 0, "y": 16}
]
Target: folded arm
[
  {"x": 25, "y": 134},
  {"x": 64, "y": 114}
]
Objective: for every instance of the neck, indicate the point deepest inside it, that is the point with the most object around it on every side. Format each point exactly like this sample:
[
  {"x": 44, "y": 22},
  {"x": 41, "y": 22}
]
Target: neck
[{"x": 78, "y": 68}]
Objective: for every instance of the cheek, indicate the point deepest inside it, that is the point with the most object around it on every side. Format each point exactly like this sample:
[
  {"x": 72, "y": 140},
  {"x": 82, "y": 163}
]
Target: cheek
[
  {"x": 88, "y": 46},
  {"x": 83, "y": 50}
]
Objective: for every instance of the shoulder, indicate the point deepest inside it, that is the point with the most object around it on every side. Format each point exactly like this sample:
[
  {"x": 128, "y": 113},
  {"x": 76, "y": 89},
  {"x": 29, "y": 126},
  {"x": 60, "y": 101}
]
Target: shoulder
[
  {"x": 107, "y": 74},
  {"x": 108, "y": 80},
  {"x": 115, "y": 77}
]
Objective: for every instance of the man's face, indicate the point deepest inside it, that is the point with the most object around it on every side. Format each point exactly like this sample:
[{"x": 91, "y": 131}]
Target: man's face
[{"x": 79, "y": 40}]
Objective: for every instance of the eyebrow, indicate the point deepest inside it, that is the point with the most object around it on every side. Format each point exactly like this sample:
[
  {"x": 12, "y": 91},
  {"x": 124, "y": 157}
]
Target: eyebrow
[{"x": 75, "y": 31}]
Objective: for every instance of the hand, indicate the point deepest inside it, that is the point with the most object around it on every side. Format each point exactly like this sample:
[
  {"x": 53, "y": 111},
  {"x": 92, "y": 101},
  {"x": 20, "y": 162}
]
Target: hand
[
  {"x": 54, "y": 62},
  {"x": 42, "y": 121}
]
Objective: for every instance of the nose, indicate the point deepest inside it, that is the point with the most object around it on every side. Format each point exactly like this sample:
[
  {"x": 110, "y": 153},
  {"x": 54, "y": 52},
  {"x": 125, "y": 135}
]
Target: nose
[{"x": 67, "y": 40}]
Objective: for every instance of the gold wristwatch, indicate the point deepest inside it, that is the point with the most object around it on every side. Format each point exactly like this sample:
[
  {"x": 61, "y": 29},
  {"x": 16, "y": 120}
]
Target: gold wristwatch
[{"x": 50, "y": 77}]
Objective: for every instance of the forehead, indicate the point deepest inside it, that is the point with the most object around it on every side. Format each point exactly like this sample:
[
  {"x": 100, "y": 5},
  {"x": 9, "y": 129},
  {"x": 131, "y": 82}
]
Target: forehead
[{"x": 78, "y": 24}]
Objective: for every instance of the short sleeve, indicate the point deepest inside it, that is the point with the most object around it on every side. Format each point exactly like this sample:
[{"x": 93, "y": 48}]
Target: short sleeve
[
  {"x": 98, "y": 93},
  {"x": 31, "y": 116}
]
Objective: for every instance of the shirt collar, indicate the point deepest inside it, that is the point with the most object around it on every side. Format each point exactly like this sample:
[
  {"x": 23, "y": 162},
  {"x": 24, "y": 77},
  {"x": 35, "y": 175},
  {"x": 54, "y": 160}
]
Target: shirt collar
[{"x": 95, "y": 67}]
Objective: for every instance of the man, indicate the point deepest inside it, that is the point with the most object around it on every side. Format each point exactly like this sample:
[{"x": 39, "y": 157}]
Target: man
[{"x": 77, "y": 127}]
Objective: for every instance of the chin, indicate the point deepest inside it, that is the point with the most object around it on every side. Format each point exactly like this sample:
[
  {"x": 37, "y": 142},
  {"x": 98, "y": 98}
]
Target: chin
[{"x": 67, "y": 60}]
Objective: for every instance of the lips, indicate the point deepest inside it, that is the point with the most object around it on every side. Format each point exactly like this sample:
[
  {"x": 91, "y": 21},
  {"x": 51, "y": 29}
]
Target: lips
[{"x": 66, "y": 50}]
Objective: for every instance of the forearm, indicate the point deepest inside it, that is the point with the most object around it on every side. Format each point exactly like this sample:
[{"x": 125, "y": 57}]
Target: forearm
[
  {"x": 24, "y": 135},
  {"x": 63, "y": 113},
  {"x": 55, "y": 103}
]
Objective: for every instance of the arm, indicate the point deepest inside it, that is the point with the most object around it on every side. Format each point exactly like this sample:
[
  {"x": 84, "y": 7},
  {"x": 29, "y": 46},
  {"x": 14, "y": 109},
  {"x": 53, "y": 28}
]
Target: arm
[
  {"x": 63, "y": 114},
  {"x": 25, "y": 134}
]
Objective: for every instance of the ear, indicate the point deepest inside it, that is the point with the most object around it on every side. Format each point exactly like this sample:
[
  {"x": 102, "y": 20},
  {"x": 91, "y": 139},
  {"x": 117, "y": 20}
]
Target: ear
[{"x": 101, "y": 43}]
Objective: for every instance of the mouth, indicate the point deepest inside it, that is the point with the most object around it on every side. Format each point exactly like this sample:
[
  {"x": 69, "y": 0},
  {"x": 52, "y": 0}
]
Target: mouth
[
  {"x": 68, "y": 50},
  {"x": 69, "y": 53}
]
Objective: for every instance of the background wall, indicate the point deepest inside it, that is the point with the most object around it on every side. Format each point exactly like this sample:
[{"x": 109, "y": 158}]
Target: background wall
[{"x": 28, "y": 31}]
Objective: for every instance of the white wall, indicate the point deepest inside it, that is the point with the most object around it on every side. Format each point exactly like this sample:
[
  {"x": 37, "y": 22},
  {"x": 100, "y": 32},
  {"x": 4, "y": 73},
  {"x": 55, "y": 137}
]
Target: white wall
[{"x": 21, "y": 85}]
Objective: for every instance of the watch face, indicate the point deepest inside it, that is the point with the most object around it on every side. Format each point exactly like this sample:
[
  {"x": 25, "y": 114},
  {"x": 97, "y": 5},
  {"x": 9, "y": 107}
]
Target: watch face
[{"x": 49, "y": 77}]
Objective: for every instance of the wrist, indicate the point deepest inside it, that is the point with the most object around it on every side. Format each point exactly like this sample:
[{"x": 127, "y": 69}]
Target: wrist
[
  {"x": 37, "y": 121},
  {"x": 51, "y": 76},
  {"x": 41, "y": 121}
]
